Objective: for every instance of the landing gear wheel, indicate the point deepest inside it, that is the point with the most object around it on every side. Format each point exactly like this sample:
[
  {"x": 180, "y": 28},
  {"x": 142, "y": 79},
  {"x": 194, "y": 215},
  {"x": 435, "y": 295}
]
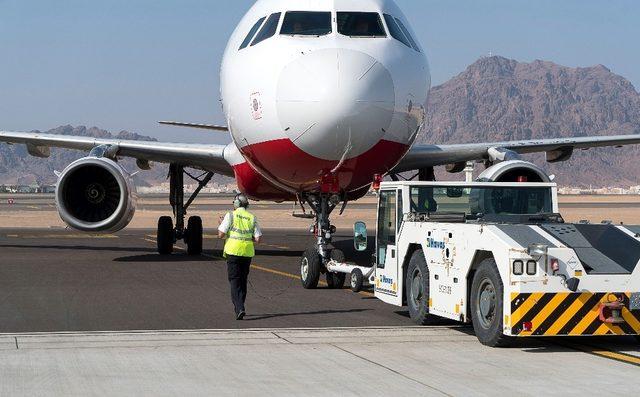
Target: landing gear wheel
[
  {"x": 310, "y": 268},
  {"x": 193, "y": 237},
  {"x": 165, "y": 235},
  {"x": 357, "y": 280},
  {"x": 336, "y": 280},
  {"x": 337, "y": 255},
  {"x": 487, "y": 294},
  {"x": 417, "y": 289}
]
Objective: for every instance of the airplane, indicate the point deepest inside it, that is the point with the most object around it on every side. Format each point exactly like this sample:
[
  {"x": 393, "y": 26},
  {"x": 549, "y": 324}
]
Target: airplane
[{"x": 322, "y": 99}]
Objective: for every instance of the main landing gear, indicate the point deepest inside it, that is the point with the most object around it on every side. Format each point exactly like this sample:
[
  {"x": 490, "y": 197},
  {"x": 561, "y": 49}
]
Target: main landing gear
[
  {"x": 168, "y": 235},
  {"x": 314, "y": 260}
]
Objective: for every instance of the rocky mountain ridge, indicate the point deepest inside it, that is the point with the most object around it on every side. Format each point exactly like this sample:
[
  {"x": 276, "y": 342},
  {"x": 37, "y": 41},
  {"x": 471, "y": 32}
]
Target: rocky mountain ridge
[{"x": 500, "y": 99}]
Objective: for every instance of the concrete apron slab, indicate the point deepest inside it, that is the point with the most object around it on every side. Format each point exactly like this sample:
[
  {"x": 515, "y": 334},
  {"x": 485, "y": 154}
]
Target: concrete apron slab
[{"x": 350, "y": 361}]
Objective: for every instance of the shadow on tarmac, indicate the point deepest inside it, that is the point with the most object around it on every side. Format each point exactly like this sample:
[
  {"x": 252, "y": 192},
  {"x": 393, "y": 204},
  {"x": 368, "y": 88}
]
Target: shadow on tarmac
[
  {"x": 80, "y": 248},
  {"x": 162, "y": 258},
  {"x": 255, "y": 317}
]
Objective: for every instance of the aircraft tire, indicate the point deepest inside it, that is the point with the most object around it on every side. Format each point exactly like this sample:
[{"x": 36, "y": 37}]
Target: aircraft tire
[
  {"x": 165, "y": 235},
  {"x": 336, "y": 280},
  {"x": 310, "y": 265},
  {"x": 193, "y": 237}
]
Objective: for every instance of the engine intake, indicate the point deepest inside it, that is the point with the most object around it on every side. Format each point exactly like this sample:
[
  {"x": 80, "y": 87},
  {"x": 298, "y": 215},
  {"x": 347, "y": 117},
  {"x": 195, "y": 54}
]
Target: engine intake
[
  {"x": 514, "y": 171},
  {"x": 96, "y": 194}
]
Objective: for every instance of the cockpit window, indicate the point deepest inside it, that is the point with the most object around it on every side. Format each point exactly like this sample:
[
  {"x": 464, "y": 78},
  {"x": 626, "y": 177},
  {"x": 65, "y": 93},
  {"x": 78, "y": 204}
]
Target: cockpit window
[
  {"x": 395, "y": 30},
  {"x": 406, "y": 33},
  {"x": 268, "y": 30},
  {"x": 306, "y": 23},
  {"x": 252, "y": 33},
  {"x": 360, "y": 24}
]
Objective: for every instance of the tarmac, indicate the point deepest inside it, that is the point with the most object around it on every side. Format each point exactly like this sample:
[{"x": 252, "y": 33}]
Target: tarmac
[{"x": 94, "y": 315}]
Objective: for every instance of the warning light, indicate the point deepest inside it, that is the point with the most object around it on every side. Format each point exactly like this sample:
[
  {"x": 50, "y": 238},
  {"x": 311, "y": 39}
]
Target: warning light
[
  {"x": 527, "y": 326},
  {"x": 555, "y": 265},
  {"x": 377, "y": 180}
]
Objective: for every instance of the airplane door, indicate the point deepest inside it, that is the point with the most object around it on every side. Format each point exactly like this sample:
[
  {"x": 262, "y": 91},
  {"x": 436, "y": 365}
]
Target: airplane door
[{"x": 386, "y": 281}]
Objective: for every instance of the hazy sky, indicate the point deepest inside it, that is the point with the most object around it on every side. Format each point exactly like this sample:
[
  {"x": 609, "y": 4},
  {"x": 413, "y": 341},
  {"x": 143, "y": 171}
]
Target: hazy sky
[{"x": 124, "y": 64}]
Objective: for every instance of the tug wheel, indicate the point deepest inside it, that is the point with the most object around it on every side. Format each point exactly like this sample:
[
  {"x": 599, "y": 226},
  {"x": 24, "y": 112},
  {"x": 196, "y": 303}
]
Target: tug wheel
[
  {"x": 487, "y": 298},
  {"x": 310, "y": 264},
  {"x": 417, "y": 289},
  {"x": 357, "y": 280}
]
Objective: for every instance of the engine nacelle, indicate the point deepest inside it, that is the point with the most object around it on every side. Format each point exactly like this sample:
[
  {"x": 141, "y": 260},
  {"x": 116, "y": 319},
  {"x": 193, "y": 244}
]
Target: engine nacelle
[
  {"x": 514, "y": 171},
  {"x": 95, "y": 194}
]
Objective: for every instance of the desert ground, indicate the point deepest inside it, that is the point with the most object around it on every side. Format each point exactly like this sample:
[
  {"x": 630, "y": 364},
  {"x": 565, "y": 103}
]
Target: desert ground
[{"x": 37, "y": 211}]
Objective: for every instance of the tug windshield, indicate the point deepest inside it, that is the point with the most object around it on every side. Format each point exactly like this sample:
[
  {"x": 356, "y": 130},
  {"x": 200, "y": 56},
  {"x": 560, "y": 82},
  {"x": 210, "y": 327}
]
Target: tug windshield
[{"x": 482, "y": 201}]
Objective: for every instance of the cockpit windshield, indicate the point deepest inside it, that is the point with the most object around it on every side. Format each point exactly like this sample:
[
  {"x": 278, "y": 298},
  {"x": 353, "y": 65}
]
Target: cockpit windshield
[
  {"x": 268, "y": 29},
  {"x": 360, "y": 24},
  {"x": 306, "y": 23}
]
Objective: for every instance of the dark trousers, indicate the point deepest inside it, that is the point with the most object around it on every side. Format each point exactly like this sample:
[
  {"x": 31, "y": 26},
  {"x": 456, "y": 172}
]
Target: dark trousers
[{"x": 238, "y": 269}]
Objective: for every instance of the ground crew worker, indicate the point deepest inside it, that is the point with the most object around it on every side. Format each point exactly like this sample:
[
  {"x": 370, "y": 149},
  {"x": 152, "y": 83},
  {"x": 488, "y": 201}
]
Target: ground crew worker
[{"x": 241, "y": 231}]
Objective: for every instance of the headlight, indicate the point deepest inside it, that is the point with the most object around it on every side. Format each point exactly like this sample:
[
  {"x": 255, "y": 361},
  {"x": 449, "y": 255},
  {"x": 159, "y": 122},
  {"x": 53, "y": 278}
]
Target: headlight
[
  {"x": 532, "y": 268},
  {"x": 518, "y": 268}
]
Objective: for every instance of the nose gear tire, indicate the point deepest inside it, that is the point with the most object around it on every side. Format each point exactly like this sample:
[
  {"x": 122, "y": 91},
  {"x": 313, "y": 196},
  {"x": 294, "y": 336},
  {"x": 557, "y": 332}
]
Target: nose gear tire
[{"x": 310, "y": 265}]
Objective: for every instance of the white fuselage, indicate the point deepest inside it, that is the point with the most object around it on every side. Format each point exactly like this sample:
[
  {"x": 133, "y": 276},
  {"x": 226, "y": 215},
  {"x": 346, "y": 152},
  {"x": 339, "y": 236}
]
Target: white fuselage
[{"x": 303, "y": 107}]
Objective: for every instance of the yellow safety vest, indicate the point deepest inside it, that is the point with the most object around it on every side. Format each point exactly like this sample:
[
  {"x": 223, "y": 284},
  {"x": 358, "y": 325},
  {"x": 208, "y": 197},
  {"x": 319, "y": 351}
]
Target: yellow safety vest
[{"x": 240, "y": 236}]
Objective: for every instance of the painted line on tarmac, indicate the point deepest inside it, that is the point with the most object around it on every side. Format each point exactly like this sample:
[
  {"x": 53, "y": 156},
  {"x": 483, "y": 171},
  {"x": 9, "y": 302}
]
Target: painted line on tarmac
[
  {"x": 604, "y": 353},
  {"x": 266, "y": 269}
]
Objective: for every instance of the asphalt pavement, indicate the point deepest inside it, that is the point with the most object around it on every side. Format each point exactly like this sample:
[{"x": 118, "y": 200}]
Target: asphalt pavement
[{"x": 61, "y": 280}]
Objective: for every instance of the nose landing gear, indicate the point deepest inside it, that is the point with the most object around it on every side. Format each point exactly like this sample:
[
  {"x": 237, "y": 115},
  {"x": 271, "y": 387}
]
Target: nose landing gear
[
  {"x": 314, "y": 260},
  {"x": 167, "y": 234}
]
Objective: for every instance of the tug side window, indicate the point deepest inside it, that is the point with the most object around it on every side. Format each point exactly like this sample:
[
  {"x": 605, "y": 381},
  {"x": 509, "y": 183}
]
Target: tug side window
[{"x": 386, "y": 224}]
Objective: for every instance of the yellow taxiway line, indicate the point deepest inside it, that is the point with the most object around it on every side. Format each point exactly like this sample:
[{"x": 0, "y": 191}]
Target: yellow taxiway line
[{"x": 263, "y": 269}]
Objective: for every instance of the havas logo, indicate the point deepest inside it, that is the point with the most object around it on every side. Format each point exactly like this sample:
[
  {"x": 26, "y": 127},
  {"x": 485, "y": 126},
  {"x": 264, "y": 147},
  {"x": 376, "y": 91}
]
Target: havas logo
[
  {"x": 386, "y": 280},
  {"x": 431, "y": 243}
]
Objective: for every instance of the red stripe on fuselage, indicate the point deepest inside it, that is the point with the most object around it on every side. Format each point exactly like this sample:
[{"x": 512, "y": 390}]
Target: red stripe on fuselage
[{"x": 283, "y": 163}]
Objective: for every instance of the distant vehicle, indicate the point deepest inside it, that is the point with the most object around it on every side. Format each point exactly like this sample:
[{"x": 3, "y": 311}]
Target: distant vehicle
[
  {"x": 321, "y": 99},
  {"x": 498, "y": 255}
]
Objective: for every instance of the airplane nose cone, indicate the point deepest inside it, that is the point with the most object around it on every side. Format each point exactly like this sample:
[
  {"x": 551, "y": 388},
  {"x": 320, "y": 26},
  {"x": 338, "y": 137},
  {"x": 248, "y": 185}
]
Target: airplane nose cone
[{"x": 335, "y": 104}]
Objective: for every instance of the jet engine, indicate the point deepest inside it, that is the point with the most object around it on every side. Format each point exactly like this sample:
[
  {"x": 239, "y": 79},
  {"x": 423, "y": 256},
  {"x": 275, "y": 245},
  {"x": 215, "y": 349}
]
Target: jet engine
[
  {"x": 514, "y": 171},
  {"x": 96, "y": 194}
]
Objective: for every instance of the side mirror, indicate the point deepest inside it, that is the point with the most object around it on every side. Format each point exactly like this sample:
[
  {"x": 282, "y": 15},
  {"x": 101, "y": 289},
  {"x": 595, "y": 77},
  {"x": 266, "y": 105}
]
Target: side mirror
[{"x": 360, "y": 238}]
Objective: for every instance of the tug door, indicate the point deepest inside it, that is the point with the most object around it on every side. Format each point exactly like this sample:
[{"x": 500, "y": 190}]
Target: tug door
[{"x": 386, "y": 281}]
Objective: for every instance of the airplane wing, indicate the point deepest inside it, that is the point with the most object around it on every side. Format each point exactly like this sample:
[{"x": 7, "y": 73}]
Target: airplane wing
[
  {"x": 211, "y": 127},
  {"x": 557, "y": 149},
  {"x": 208, "y": 157}
]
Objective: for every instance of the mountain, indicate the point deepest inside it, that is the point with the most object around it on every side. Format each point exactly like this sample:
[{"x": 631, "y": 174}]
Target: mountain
[{"x": 500, "y": 99}]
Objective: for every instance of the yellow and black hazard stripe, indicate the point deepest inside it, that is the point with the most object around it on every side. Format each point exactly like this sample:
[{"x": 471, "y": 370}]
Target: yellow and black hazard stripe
[{"x": 568, "y": 314}]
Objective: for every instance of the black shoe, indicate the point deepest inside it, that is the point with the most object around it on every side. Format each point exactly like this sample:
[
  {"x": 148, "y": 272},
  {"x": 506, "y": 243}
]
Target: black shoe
[{"x": 240, "y": 315}]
